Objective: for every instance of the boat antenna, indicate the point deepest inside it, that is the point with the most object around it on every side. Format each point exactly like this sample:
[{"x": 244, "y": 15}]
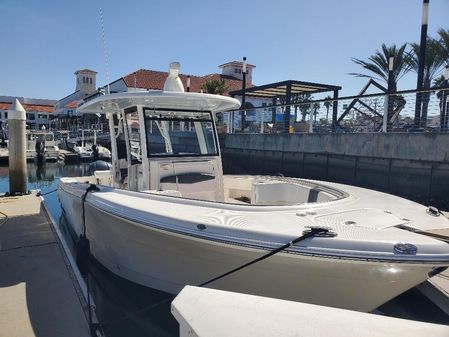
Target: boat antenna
[{"x": 105, "y": 50}]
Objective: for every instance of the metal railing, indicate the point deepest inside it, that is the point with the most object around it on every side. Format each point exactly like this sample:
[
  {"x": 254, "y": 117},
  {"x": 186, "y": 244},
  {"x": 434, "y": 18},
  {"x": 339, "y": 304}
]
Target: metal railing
[{"x": 377, "y": 112}]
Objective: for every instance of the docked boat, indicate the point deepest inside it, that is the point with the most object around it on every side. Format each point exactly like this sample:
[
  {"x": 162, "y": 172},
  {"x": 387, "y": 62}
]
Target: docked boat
[
  {"x": 88, "y": 151},
  {"x": 166, "y": 216},
  {"x": 41, "y": 143}
]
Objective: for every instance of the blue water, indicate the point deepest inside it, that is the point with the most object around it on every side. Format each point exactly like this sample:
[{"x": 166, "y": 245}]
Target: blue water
[{"x": 120, "y": 304}]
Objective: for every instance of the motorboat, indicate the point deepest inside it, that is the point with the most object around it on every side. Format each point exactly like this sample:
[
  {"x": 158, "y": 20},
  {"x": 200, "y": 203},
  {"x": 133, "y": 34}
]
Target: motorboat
[
  {"x": 89, "y": 151},
  {"x": 42, "y": 143},
  {"x": 166, "y": 216}
]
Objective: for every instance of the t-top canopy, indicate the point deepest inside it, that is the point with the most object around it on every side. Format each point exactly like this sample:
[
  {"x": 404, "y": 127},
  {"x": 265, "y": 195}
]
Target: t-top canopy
[
  {"x": 279, "y": 89},
  {"x": 114, "y": 103}
]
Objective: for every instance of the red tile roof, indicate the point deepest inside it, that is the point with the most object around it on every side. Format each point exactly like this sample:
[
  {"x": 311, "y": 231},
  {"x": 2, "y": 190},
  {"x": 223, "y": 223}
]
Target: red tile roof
[
  {"x": 30, "y": 107},
  {"x": 72, "y": 104},
  {"x": 155, "y": 80}
]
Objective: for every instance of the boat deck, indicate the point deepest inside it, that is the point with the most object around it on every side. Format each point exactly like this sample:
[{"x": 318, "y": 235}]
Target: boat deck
[{"x": 39, "y": 292}]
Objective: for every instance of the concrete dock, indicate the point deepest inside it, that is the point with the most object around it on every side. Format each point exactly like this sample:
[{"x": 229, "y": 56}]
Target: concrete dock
[
  {"x": 204, "y": 312},
  {"x": 39, "y": 293},
  {"x": 437, "y": 287}
]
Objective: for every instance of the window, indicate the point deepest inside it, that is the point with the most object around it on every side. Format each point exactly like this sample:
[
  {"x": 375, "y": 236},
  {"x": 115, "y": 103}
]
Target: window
[
  {"x": 133, "y": 125},
  {"x": 237, "y": 71},
  {"x": 90, "y": 80},
  {"x": 31, "y": 116},
  {"x": 6, "y": 115},
  {"x": 179, "y": 133},
  {"x": 42, "y": 116}
]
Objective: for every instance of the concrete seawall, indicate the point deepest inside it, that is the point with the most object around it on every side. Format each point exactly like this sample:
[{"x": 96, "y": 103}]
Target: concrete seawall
[{"x": 415, "y": 166}]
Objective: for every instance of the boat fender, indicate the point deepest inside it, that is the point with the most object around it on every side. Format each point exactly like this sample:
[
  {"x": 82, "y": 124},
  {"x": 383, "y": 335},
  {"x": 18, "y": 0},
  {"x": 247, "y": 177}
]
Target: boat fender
[
  {"x": 40, "y": 150},
  {"x": 83, "y": 254},
  {"x": 95, "y": 151},
  {"x": 83, "y": 244}
]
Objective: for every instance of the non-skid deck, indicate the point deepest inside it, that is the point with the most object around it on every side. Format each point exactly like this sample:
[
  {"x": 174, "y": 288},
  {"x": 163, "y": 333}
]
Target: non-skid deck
[{"x": 39, "y": 295}]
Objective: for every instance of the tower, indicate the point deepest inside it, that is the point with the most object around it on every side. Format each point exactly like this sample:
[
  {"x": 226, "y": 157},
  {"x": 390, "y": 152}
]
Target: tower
[{"x": 85, "y": 81}]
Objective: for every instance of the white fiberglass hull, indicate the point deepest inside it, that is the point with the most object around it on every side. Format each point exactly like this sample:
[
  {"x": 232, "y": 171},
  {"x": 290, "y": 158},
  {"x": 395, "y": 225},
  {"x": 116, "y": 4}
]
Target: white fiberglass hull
[{"x": 169, "y": 260}]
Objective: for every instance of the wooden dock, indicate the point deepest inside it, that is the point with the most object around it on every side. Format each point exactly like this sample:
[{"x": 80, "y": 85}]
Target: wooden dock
[{"x": 39, "y": 291}]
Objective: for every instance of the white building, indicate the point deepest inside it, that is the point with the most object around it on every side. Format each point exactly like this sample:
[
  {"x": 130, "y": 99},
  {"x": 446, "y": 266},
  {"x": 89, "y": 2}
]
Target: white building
[{"x": 39, "y": 112}]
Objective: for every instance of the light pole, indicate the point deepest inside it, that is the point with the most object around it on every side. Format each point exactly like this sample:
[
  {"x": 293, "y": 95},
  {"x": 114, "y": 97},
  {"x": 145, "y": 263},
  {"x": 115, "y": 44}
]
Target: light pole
[
  {"x": 243, "y": 93},
  {"x": 421, "y": 61},
  {"x": 444, "y": 103}
]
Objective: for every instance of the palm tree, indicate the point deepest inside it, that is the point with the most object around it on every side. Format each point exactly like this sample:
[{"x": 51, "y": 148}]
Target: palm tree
[
  {"x": 444, "y": 42},
  {"x": 441, "y": 94},
  {"x": 328, "y": 103},
  {"x": 214, "y": 87},
  {"x": 304, "y": 106},
  {"x": 316, "y": 106},
  {"x": 377, "y": 64},
  {"x": 434, "y": 62}
]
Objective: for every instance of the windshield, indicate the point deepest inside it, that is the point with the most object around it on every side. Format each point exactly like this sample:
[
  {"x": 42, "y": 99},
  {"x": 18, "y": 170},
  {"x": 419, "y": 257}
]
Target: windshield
[{"x": 179, "y": 133}]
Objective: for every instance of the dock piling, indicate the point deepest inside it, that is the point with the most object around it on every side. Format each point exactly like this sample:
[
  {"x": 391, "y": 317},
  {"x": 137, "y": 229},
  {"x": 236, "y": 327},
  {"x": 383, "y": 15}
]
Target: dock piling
[{"x": 17, "y": 149}]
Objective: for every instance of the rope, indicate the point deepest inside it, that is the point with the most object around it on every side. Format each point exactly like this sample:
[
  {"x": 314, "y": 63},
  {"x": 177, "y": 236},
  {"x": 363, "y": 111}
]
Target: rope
[
  {"x": 40, "y": 194},
  {"x": 83, "y": 256},
  {"x": 313, "y": 231},
  {"x": 6, "y": 218}
]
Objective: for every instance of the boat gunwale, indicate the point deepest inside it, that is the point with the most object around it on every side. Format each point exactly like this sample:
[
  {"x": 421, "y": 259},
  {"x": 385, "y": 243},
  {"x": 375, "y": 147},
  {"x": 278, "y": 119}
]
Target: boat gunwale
[{"x": 293, "y": 250}]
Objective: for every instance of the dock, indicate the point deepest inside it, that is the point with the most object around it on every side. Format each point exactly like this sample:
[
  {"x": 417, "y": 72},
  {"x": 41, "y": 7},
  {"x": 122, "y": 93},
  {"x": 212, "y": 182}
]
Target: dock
[
  {"x": 68, "y": 157},
  {"x": 40, "y": 292},
  {"x": 205, "y": 312},
  {"x": 437, "y": 287}
]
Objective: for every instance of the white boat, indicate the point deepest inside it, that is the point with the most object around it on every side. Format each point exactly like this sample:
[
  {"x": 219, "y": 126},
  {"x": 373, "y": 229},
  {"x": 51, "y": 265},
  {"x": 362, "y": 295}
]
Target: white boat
[
  {"x": 167, "y": 216},
  {"x": 89, "y": 151},
  {"x": 44, "y": 142}
]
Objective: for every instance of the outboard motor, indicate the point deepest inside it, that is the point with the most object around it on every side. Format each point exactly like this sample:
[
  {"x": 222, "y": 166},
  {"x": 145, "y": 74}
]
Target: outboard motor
[
  {"x": 40, "y": 151},
  {"x": 95, "y": 151},
  {"x": 99, "y": 165}
]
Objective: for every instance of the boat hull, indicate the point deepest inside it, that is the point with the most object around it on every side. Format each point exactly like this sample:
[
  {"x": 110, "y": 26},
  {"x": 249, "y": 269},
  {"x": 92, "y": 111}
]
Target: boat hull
[{"x": 168, "y": 261}]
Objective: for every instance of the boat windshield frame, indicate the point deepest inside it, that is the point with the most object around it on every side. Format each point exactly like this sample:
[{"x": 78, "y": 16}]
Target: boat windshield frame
[{"x": 182, "y": 115}]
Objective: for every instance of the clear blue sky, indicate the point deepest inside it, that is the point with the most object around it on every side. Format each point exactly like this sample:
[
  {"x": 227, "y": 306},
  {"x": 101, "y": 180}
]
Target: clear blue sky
[{"x": 44, "y": 42}]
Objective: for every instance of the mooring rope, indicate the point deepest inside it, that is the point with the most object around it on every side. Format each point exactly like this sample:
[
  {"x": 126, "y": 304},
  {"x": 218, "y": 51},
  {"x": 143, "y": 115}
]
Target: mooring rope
[{"x": 312, "y": 232}]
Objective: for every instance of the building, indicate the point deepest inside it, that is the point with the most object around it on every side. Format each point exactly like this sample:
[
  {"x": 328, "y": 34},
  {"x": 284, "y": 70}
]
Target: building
[
  {"x": 39, "y": 112},
  {"x": 145, "y": 80},
  {"x": 65, "y": 108}
]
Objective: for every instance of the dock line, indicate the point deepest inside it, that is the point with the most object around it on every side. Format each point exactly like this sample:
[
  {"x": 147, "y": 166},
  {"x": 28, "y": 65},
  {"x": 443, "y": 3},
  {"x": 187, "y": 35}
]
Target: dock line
[{"x": 91, "y": 315}]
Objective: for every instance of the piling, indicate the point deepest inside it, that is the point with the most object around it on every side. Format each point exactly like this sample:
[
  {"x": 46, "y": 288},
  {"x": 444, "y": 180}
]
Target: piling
[{"x": 17, "y": 149}]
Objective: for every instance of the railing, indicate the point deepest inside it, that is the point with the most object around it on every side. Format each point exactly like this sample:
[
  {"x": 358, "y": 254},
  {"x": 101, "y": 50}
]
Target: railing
[{"x": 366, "y": 113}]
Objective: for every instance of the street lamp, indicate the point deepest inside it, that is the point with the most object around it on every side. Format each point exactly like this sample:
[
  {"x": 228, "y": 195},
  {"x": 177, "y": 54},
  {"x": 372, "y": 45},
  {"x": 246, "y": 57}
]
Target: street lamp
[
  {"x": 243, "y": 93},
  {"x": 421, "y": 61}
]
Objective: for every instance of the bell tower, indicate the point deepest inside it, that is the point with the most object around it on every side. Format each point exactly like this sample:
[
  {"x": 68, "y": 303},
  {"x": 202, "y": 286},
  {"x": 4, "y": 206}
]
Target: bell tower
[{"x": 86, "y": 81}]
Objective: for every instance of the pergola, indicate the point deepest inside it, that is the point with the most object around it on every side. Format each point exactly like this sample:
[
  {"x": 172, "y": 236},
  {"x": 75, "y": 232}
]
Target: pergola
[{"x": 286, "y": 89}]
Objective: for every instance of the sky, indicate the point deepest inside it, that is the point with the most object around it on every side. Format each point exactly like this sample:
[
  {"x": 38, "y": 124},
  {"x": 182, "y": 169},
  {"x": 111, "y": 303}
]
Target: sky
[{"x": 44, "y": 42}]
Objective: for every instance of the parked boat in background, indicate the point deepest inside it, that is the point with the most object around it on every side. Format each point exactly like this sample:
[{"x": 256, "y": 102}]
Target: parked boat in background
[{"x": 41, "y": 145}]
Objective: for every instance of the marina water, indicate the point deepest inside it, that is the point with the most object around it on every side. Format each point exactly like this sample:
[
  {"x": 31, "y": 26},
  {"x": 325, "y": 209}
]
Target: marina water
[{"x": 128, "y": 309}]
